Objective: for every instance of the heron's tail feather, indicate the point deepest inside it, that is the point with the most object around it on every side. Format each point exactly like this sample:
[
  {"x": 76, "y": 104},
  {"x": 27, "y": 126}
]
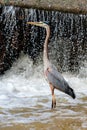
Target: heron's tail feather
[{"x": 70, "y": 92}]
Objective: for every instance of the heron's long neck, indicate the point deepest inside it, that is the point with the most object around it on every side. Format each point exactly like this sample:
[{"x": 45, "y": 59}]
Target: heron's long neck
[{"x": 45, "y": 55}]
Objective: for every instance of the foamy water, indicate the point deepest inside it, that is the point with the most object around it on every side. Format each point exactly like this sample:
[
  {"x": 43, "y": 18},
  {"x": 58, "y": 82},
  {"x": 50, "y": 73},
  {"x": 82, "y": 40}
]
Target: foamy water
[{"x": 24, "y": 87}]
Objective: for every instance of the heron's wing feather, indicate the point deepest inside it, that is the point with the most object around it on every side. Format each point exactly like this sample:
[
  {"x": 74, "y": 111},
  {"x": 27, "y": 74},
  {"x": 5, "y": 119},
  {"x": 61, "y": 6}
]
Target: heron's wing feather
[
  {"x": 53, "y": 70},
  {"x": 56, "y": 79}
]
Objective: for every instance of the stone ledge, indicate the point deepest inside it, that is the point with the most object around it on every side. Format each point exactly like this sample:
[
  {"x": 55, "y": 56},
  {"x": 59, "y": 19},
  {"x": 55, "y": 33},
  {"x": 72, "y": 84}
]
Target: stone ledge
[{"x": 78, "y": 6}]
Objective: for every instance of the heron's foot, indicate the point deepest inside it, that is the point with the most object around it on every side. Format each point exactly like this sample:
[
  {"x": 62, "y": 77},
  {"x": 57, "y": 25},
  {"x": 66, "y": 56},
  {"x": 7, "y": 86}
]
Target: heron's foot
[{"x": 53, "y": 103}]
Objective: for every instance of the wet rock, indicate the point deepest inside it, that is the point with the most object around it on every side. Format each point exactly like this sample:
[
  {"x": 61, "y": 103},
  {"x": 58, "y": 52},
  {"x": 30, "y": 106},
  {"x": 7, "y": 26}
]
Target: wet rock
[{"x": 76, "y": 6}]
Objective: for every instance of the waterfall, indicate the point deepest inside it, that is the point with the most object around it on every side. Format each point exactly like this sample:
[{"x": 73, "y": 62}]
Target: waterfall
[{"x": 68, "y": 41}]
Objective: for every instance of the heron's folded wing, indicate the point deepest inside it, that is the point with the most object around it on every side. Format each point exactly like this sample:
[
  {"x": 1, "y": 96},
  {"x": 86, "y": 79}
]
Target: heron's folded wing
[{"x": 56, "y": 79}]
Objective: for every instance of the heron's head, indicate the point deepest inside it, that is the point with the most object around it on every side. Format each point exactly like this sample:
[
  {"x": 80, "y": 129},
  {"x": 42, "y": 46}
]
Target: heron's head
[{"x": 41, "y": 24}]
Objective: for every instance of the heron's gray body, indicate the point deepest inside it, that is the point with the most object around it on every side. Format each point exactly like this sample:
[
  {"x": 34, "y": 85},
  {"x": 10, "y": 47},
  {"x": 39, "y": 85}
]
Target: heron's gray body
[{"x": 56, "y": 79}]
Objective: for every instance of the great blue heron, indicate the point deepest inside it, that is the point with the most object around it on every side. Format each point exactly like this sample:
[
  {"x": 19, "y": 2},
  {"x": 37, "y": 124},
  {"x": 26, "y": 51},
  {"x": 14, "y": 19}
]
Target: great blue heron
[{"x": 55, "y": 79}]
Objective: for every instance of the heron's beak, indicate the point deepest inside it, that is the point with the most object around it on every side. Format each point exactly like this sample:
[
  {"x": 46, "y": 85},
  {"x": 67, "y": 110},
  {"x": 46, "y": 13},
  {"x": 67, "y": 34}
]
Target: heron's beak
[{"x": 36, "y": 23}]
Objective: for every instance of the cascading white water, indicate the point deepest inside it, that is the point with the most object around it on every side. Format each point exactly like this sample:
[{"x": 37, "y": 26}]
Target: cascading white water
[
  {"x": 24, "y": 87},
  {"x": 27, "y": 80}
]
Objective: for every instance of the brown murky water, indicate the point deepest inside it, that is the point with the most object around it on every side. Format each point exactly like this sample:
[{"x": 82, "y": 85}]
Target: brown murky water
[
  {"x": 25, "y": 102},
  {"x": 66, "y": 116}
]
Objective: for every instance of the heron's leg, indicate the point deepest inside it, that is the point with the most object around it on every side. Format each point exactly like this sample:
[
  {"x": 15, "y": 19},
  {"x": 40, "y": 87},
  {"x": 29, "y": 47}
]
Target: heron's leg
[{"x": 53, "y": 96}]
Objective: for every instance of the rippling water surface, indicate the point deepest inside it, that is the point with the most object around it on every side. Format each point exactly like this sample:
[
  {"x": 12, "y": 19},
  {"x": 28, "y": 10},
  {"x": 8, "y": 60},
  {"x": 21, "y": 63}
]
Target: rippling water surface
[
  {"x": 25, "y": 100},
  {"x": 25, "y": 97}
]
